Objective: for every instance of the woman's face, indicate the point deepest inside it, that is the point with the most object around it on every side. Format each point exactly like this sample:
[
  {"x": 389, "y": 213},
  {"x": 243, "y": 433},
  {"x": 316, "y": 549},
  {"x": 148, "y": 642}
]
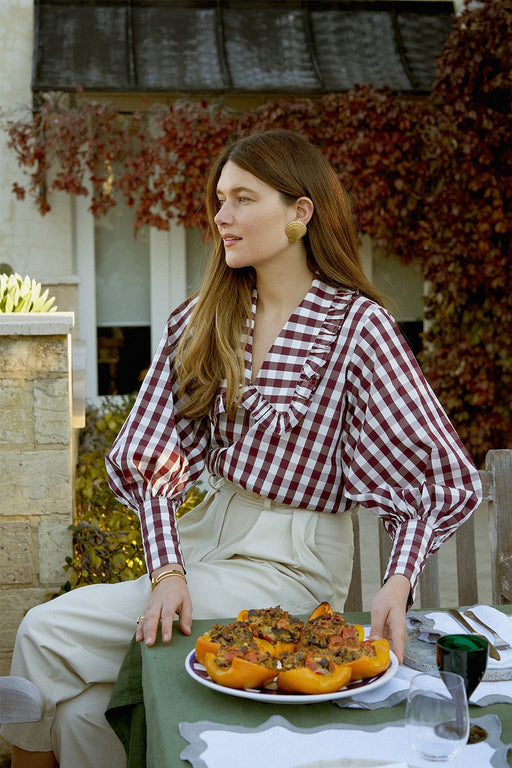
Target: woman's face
[{"x": 251, "y": 219}]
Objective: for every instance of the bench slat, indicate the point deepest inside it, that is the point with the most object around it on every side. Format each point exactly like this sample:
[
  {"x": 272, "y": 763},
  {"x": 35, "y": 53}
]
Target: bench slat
[{"x": 497, "y": 491}]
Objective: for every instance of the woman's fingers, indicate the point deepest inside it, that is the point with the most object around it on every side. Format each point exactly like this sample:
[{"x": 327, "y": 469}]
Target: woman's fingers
[
  {"x": 139, "y": 633},
  {"x": 389, "y": 610},
  {"x": 167, "y": 600}
]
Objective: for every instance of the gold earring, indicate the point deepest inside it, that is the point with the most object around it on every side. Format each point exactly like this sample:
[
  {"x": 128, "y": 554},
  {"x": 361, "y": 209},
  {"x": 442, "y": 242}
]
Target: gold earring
[{"x": 294, "y": 230}]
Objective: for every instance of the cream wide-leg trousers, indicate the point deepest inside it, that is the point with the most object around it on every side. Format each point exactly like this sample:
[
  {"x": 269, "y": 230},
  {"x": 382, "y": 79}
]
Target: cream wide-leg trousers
[{"x": 241, "y": 551}]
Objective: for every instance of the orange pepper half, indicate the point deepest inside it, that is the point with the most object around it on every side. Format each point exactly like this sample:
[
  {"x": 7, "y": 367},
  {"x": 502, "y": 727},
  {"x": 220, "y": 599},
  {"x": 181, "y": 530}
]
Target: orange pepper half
[
  {"x": 324, "y": 609},
  {"x": 234, "y": 633},
  {"x": 304, "y": 680},
  {"x": 240, "y": 674},
  {"x": 205, "y": 645},
  {"x": 369, "y": 666}
]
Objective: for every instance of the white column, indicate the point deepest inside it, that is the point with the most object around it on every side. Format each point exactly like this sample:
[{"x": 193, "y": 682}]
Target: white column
[
  {"x": 168, "y": 275},
  {"x": 84, "y": 254}
]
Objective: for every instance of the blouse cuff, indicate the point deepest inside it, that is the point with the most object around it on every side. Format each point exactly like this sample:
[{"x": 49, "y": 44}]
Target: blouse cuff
[
  {"x": 411, "y": 546},
  {"x": 160, "y": 533}
]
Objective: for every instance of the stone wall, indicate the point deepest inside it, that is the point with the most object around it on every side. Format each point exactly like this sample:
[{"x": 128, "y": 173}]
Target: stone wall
[{"x": 36, "y": 464}]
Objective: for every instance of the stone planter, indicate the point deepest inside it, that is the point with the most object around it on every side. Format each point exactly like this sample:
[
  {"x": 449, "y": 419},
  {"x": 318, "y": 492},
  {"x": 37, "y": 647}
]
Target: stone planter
[{"x": 36, "y": 463}]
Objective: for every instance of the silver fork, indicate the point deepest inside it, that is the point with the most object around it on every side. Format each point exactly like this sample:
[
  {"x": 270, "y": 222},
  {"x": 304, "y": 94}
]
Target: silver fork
[{"x": 498, "y": 641}]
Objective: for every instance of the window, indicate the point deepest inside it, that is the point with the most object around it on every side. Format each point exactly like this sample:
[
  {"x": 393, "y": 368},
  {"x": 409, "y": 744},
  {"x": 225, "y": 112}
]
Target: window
[
  {"x": 123, "y": 302},
  {"x": 402, "y": 283}
]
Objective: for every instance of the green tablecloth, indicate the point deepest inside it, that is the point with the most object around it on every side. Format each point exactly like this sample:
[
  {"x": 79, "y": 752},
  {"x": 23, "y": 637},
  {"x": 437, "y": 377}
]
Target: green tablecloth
[{"x": 154, "y": 694}]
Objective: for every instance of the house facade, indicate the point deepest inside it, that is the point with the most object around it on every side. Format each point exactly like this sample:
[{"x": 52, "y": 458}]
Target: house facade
[{"x": 122, "y": 288}]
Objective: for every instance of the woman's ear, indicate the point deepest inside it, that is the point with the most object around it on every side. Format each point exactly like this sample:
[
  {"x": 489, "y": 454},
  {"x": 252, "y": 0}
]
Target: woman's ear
[{"x": 304, "y": 209}]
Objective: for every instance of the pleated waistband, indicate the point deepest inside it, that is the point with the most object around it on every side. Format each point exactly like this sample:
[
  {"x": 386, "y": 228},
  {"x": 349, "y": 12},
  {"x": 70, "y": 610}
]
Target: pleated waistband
[{"x": 218, "y": 484}]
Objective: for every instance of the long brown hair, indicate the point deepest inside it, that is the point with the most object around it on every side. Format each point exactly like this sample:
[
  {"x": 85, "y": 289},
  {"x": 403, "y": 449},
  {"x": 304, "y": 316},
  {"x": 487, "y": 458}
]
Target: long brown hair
[{"x": 211, "y": 349}]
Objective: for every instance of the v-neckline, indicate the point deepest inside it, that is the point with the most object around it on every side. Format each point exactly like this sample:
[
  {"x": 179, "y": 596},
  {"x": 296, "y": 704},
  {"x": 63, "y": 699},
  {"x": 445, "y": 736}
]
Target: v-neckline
[
  {"x": 252, "y": 380},
  {"x": 267, "y": 415},
  {"x": 257, "y": 399}
]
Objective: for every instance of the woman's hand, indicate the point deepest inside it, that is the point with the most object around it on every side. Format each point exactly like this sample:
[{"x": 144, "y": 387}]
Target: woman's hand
[
  {"x": 389, "y": 609},
  {"x": 169, "y": 597}
]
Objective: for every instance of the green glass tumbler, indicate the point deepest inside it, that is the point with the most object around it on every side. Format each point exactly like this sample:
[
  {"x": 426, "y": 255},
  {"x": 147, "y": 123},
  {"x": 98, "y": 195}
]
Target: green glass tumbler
[{"x": 465, "y": 655}]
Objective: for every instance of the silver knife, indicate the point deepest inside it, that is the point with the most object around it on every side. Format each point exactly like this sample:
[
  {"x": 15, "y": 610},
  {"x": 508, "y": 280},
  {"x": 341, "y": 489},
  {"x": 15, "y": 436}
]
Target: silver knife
[{"x": 493, "y": 653}]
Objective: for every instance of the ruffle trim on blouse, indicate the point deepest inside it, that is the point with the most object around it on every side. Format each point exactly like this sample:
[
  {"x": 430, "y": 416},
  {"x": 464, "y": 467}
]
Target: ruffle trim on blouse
[{"x": 266, "y": 416}]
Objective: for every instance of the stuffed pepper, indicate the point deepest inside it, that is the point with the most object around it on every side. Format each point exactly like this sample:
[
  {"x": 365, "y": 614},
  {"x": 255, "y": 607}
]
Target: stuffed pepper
[
  {"x": 312, "y": 671},
  {"x": 274, "y": 629},
  {"x": 234, "y": 633},
  {"x": 367, "y": 658},
  {"x": 245, "y": 666},
  {"x": 328, "y": 629}
]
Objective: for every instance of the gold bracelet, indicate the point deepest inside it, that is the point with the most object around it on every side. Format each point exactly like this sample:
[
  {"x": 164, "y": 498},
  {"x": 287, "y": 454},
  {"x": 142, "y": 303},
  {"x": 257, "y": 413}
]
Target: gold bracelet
[{"x": 165, "y": 575}]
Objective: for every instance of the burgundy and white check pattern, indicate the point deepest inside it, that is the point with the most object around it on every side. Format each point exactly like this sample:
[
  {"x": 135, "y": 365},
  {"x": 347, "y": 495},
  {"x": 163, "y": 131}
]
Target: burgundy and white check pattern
[{"x": 340, "y": 414}]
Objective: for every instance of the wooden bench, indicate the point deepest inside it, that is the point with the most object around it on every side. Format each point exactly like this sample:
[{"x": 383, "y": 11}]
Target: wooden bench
[{"x": 497, "y": 493}]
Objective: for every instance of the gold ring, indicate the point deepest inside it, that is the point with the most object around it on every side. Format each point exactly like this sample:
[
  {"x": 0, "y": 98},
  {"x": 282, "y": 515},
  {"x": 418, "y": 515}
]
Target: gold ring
[{"x": 139, "y": 619}]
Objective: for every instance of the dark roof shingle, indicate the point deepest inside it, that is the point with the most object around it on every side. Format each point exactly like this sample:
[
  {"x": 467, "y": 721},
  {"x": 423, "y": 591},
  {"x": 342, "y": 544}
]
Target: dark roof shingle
[{"x": 248, "y": 46}]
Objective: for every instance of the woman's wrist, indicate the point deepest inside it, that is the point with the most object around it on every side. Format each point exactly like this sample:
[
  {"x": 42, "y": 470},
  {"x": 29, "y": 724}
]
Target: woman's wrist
[
  {"x": 173, "y": 570},
  {"x": 167, "y": 567},
  {"x": 401, "y": 584}
]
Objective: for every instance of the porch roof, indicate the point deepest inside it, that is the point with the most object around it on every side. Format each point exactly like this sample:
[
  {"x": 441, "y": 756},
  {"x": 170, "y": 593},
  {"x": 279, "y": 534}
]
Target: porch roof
[{"x": 242, "y": 46}]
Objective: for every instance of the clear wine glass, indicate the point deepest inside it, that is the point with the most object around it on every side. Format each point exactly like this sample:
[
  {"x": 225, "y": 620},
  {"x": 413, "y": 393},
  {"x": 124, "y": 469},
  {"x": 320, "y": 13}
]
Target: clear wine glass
[
  {"x": 465, "y": 655},
  {"x": 437, "y": 715}
]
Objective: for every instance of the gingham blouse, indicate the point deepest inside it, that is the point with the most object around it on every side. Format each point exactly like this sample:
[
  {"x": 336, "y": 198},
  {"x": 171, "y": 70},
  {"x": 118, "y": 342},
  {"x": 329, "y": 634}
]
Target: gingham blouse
[{"x": 339, "y": 414}]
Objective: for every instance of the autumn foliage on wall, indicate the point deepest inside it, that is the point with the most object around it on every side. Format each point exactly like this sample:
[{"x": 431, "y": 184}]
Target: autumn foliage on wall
[
  {"x": 430, "y": 178},
  {"x": 466, "y": 227}
]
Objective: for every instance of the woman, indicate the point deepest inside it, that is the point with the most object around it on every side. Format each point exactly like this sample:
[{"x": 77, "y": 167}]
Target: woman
[{"x": 288, "y": 380}]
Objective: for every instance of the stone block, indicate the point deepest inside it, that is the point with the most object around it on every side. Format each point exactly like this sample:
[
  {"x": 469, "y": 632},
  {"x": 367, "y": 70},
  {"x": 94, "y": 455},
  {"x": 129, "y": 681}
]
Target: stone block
[
  {"x": 36, "y": 482},
  {"x": 52, "y": 405},
  {"x": 36, "y": 323},
  {"x": 55, "y": 544},
  {"x": 5, "y": 665},
  {"x": 16, "y": 422},
  {"x": 28, "y": 356},
  {"x": 16, "y": 565},
  {"x": 15, "y": 604}
]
